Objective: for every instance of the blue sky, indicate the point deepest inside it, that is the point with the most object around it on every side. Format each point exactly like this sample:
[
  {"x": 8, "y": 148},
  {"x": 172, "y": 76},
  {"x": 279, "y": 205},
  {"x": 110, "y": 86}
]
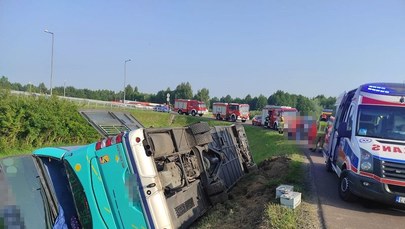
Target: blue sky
[{"x": 230, "y": 47}]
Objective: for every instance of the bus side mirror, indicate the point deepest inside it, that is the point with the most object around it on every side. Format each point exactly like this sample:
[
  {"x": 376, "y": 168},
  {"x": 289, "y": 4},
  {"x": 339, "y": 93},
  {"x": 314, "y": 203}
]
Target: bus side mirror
[{"x": 342, "y": 130}]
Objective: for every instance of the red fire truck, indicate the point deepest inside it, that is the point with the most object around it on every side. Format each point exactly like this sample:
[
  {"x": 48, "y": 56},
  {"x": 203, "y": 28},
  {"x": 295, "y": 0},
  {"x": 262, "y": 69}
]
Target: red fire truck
[
  {"x": 273, "y": 114},
  {"x": 189, "y": 106},
  {"x": 230, "y": 111}
]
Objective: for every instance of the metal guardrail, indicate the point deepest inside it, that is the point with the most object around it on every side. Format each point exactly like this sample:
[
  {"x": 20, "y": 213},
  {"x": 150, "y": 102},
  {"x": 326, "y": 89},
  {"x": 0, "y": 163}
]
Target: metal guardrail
[{"x": 90, "y": 102}]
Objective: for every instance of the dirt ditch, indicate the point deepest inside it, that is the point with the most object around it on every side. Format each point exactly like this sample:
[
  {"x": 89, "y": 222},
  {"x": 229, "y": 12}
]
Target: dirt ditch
[{"x": 249, "y": 200}]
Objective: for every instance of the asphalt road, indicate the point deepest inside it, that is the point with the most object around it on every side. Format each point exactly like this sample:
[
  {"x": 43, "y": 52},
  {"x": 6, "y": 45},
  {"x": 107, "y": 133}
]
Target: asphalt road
[{"x": 335, "y": 213}]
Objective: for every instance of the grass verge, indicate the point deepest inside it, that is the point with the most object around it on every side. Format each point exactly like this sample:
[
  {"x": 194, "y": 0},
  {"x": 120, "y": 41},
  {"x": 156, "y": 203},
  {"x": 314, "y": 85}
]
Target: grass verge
[{"x": 252, "y": 203}]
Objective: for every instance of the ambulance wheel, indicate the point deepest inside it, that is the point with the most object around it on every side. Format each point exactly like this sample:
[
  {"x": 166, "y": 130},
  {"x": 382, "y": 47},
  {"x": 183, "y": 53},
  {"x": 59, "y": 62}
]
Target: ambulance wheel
[
  {"x": 200, "y": 115},
  {"x": 329, "y": 165},
  {"x": 218, "y": 117},
  {"x": 275, "y": 127},
  {"x": 344, "y": 187},
  {"x": 180, "y": 112},
  {"x": 193, "y": 113}
]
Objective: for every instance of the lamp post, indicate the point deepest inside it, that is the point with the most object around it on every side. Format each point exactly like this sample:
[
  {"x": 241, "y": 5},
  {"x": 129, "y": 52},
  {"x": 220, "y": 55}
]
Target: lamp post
[
  {"x": 64, "y": 88},
  {"x": 46, "y": 31},
  {"x": 125, "y": 75}
]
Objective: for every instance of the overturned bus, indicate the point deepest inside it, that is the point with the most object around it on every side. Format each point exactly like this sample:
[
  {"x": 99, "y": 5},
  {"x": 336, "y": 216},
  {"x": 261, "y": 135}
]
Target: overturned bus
[{"x": 139, "y": 177}]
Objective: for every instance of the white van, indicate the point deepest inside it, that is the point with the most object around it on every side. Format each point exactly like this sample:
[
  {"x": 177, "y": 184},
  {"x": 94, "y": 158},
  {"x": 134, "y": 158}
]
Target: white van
[{"x": 367, "y": 143}]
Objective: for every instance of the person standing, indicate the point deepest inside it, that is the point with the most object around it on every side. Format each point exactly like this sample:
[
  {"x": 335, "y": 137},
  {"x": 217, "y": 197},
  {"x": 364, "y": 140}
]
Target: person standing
[{"x": 322, "y": 127}]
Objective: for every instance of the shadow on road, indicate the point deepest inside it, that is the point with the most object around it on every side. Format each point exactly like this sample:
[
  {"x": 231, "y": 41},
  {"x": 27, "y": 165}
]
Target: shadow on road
[{"x": 332, "y": 207}]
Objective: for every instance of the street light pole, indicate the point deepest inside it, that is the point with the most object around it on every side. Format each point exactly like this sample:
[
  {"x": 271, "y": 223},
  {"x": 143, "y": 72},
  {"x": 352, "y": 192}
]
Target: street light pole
[
  {"x": 46, "y": 31},
  {"x": 125, "y": 75},
  {"x": 64, "y": 88}
]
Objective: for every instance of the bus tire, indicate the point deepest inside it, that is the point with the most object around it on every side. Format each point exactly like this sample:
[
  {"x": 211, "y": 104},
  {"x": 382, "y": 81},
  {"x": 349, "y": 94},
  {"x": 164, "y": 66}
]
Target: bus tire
[
  {"x": 202, "y": 139},
  {"x": 198, "y": 128},
  {"x": 215, "y": 188}
]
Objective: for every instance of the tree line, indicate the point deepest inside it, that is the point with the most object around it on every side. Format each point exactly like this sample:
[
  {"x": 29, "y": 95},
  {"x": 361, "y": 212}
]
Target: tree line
[{"x": 182, "y": 91}]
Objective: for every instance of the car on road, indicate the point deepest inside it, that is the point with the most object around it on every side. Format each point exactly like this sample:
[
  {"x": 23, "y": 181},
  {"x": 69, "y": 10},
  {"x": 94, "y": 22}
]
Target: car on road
[
  {"x": 257, "y": 120},
  {"x": 161, "y": 108}
]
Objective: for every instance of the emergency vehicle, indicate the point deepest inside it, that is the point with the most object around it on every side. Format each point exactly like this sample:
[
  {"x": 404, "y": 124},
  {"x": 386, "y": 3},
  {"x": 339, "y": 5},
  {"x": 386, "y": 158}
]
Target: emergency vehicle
[
  {"x": 367, "y": 143},
  {"x": 189, "y": 106},
  {"x": 272, "y": 114},
  {"x": 230, "y": 111}
]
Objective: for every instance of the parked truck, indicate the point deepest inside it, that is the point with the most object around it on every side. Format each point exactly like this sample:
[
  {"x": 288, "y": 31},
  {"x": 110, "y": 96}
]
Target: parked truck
[
  {"x": 366, "y": 144},
  {"x": 134, "y": 177},
  {"x": 230, "y": 111},
  {"x": 190, "y": 106},
  {"x": 273, "y": 113}
]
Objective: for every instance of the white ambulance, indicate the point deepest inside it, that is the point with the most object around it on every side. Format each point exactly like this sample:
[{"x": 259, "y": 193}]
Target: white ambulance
[{"x": 367, "y": 143}]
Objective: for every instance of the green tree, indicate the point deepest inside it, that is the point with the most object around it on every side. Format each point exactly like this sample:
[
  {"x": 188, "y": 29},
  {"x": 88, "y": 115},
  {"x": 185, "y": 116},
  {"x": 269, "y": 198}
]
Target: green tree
[
  {"x": 212, "y": 101},
  {"x": 253, "y": 104},
  {"x": 261, "y": 102},
  {"x": 42, "y": 88},
  {"x": 226, "y": 99},
  {"x": 4, "y": 83},
  {"x": 203, "y": 95},
  {"x": 248, "y": 99},
  {"x": 184, "y": 91},
  {"x": 305, "y": 105},
  {"x": 129, "y": 93},
  {"x": 326, "y": 103}
]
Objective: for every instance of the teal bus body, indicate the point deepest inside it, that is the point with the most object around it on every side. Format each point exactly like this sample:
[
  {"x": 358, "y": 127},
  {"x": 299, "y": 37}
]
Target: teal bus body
[
  {"x": 151, "y": 178},
  {"x": 109, "y": 182}
]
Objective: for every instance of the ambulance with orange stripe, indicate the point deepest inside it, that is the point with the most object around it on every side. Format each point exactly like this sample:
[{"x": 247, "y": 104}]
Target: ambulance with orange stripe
[{"x": 367, "y": 143}]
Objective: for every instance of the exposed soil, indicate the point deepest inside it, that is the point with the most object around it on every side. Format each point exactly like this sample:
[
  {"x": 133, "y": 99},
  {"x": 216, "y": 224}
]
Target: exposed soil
[{"x": 249, "y": 199}]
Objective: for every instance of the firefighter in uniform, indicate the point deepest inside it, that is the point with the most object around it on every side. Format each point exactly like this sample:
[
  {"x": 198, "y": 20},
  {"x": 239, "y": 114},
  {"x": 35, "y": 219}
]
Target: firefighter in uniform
[
  {"x": 322, "y": 127},
  {"x": 281, "y": 123}
]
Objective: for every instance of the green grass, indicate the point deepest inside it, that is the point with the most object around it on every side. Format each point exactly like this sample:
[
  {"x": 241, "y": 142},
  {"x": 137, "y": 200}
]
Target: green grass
[
  {"x": 281, "y": 217},
  {"x": 159, "y": 119},
  {"x": 265, "y": 144}
]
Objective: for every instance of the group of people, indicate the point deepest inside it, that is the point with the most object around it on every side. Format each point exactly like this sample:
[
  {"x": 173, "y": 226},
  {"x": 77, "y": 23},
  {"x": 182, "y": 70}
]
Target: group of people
[{"x": 324, "y": 127}]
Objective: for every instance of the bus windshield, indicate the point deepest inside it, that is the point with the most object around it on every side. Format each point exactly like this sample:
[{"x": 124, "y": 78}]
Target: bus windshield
[
  {"x": 23, "y": 203},
  {"x": 385, "y": 122}
]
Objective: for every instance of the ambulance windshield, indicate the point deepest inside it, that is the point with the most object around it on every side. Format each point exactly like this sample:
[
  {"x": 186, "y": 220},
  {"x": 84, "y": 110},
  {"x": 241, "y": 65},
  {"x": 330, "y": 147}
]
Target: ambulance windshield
[{"x": 385, "y": 122}]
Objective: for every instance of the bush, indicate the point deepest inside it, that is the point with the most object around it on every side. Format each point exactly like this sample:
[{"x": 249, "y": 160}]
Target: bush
[{"x": 29, "y": 122}]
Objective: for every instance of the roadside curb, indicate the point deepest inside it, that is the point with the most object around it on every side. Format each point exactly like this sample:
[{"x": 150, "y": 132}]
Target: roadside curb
[{"x": 312, "y": 187}]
